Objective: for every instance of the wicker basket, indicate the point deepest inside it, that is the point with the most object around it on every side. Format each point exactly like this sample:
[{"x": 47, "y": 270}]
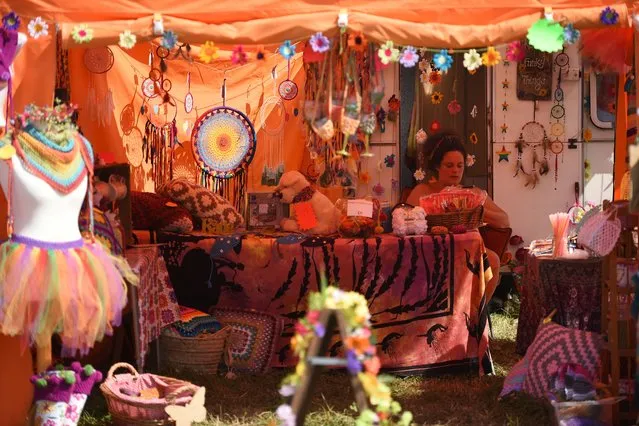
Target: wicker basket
[
  {"x": 201, "y": 354},
  {"x": 127, "y": 410},
  {"x": 471, "y": 219}
]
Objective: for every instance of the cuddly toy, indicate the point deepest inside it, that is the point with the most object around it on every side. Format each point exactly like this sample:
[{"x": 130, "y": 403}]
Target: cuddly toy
[{"x": 311, "y": 211}]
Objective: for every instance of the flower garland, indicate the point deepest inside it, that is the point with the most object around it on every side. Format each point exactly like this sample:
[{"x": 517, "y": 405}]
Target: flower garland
[{"x": 361, "y": 357}]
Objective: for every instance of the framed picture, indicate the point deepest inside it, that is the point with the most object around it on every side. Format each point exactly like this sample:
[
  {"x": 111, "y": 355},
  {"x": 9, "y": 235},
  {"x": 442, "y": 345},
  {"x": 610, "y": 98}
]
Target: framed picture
[{"x": 264, "y": 211}]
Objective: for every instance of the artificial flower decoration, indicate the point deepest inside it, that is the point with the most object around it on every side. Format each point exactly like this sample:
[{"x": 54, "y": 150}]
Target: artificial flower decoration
[
  {"x": 443, "y": 61},
  {"x": 435, "y": 77},
  {"x": 82, "y": 33},
  {"x": 11, "y": 21},
  {"x": 419, "y": 175},
  {"x": 319, "y": 43},
  {"x": 378, "y": 189},
  {"x": 409, "y": 57},
  {"x": 287, "y": 50},
  {"x": 38, "y": 28},
  {"x": 470, "y": 160},
  {"x": 491, "y": 57},
  {"x": 454, "y": 107},
  {"x": 420, "y": 136},
  {"x": 609, "y": 16},
  {"x": 260, "y": 55},
  {"x": 437, "y": 98},
  {"x": 364, "y": 178},
  {"x": 169, "y": 39},
  {"x": 571, "y": 34},
  {"x": 472, "y": 60},
  {"x": 388, "y": 53},
  {"x": 209, "y": 52},
  {"x": 473, "y": 138},
  {"x": 389, "y": 161},
  {"x": 424, "y": 65},
  {"x": 435, "y": 126},
  {"x": 357, "y": 42},
  {"x": 546, "y": 36},
  {"x": 587, "y": 135},
  {"x": 515, "y": 52},
  {"x": 127, "y": 40},
  {"x": 239, "y": 56}
]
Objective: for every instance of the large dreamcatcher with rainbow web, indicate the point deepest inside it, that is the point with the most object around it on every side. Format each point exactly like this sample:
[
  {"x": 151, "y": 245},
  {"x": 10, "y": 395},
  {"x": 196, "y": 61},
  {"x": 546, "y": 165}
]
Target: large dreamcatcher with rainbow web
[{"x": 224, "y": 143}]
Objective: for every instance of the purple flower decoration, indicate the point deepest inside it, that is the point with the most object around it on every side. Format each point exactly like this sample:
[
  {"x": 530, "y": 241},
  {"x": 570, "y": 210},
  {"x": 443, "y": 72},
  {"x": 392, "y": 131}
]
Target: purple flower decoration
[
  {"x": 287, "y": 390},
  {"x": 320, "y": 330},
  {"x": 169, "y": 39},
  {"x": 571, "y": 34},
  {"x": 409, "y": 57},
  {"x": 609, "y": 16},
  {"x": 11, "y": 21},
  {"x": 352, "y": 363},
  {"x": 389, "y": 161},
  {"x": 286, "y": 415},
  {"x": 320, "y": 43}
]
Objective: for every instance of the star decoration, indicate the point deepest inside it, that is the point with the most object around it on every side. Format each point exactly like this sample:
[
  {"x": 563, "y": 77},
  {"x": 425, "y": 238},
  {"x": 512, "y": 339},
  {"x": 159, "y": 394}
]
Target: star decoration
[
  {"x": 503, "y": 154},
  {"x": 504, "y": 106},
  {"x": 504, "y": 128},
  {"x": 505, "y": 84}
]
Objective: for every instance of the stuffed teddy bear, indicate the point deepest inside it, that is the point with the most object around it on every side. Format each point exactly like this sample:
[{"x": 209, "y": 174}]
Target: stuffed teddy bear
[{"x": 311, "y": 211}]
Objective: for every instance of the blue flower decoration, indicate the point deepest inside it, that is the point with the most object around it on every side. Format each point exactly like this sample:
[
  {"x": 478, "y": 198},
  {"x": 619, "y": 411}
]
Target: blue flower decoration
[
  {"x": 287, "y": 50},
  {"x": 352, "y": 363},
  {"x": 443, "y": 61},
  {"x": 571, "y": 34},
  {"x": 169, "y": 39},
  {"x": 11, "y": 21},
  {"x": 609, "y": 16}
]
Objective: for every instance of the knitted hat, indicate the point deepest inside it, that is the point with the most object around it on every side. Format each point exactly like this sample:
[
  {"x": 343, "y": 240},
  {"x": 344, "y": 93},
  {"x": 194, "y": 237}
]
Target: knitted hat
[
  {"x": 87, "y": 377},
  {"x": 8, "y": 49},
  {"x": 56, "y": 386}
]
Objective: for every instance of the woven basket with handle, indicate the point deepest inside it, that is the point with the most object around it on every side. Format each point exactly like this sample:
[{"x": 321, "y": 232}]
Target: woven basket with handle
[
  {"x": 201, "y": 354},
  {"x": 129, "y": 407},
  {"x": 471, "y": 219}
]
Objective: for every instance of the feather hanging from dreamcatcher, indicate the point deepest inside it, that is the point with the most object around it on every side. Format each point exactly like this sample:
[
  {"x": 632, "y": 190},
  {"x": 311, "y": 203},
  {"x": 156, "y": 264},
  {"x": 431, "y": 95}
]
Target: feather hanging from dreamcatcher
[
  {"x": 98, "y": 61},
  {"x": 157, "y": 147},
  {"x": 224, "y": 143}
]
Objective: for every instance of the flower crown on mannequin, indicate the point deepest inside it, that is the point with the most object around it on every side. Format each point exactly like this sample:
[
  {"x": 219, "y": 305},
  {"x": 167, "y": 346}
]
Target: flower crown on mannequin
[{"x": 56, "y": 122}]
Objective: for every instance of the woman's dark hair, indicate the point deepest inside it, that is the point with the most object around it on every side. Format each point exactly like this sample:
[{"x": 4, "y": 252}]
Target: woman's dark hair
[{"x": 437, "y": 146}]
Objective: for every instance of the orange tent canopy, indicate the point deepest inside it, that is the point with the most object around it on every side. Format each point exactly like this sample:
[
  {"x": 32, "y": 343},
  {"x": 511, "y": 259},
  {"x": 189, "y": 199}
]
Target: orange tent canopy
[{"x": 438, "y": 23}]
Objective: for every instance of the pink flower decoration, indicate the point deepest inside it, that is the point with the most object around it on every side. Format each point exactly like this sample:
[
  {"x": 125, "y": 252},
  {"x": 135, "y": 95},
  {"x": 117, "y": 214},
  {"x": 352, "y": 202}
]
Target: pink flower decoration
[
  {"x": 313, "y": 316},
  {"x": 454, "y": 107},
  {"x": 300, "y": 329},
  {"x": 239, "y": 57},
  {"x": 515, "y": 52}
]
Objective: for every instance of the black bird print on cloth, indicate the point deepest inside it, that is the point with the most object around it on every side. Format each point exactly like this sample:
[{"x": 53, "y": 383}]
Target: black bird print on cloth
[{"x": 424, "y": 292}]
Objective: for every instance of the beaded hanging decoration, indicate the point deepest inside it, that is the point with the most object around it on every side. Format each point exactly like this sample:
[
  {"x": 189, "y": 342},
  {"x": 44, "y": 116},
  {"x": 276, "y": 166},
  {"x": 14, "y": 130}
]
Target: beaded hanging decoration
[{"x": 558, "y": 113}]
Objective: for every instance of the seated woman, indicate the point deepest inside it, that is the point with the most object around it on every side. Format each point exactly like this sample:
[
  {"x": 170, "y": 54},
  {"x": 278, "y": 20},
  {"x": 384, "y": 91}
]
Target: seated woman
[{"x": 445, "y": 161}]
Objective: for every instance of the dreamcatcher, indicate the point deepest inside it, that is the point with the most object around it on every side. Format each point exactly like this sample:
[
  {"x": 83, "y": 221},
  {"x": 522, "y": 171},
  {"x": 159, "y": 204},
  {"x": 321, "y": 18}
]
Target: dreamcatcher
[
  {"x": 156, "y": 84},
  {"x": 287, "y": 88},
  {"x": 532, "y": 135},
  {"x": 98, "y": 61},
  {"x": 273, "y": 107},
  {"x": 158, "y": 143},
  {"x": 224, "y": 143}
]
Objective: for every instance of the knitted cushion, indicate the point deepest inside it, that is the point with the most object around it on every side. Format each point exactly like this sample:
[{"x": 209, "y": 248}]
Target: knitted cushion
[
  {"x": 201, "y": 202},
  {"x": 555, "y": 345},
  {"x": 155, "y": 213},
  {"x": 514, "y": 382},
  {"x": 193, "y": 323},
  {"x": 103, "y": 230}
]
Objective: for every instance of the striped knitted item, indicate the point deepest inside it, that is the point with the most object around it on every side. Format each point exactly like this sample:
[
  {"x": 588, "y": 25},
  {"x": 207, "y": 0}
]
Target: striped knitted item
[
  {"x": 193, "y": 323},
  {"x": 61, "y": 165}
]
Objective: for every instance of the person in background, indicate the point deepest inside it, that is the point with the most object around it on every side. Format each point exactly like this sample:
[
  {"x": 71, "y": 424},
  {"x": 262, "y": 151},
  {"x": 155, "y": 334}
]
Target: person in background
[{"x": 445, "y": 161}]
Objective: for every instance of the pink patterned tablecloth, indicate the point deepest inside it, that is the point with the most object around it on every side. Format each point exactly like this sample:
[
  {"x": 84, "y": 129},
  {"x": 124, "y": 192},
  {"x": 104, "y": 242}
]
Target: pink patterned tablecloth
[{"x": 156, "y": 303}]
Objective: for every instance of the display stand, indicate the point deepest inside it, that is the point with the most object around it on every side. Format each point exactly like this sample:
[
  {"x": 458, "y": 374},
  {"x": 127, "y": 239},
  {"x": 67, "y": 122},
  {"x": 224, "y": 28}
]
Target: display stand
[{"x": 315, "y": 362}]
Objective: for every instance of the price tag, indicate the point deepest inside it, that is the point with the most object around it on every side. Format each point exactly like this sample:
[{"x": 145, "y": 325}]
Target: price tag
[
  {"x": 362, "y": 208},
  {"x": 263, "y": 209}
]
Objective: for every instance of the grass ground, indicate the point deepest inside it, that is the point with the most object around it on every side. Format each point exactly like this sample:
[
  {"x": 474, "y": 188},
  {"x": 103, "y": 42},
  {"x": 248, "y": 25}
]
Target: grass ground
[{"x": 451, "y": 400}]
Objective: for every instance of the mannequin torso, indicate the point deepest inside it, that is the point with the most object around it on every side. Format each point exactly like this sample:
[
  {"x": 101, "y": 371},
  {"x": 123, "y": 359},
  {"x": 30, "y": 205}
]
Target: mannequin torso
[{"x": 39, "y": 211}]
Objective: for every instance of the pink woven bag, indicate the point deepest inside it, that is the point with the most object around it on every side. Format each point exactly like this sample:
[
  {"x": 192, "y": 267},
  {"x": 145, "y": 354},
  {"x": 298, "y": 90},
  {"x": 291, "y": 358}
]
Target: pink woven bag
[{"x": 600, "y": 233}]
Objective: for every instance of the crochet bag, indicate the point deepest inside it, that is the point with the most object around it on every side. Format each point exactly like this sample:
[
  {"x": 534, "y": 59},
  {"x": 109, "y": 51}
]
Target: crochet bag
[
  {"x": 350, "y": 117},
  {"x": 324, "y": 127},
  {"x": 599, "y": 233}
]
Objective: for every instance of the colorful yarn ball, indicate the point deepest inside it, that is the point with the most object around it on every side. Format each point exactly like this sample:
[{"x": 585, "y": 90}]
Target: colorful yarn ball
[{"x": 439, "y": 230}]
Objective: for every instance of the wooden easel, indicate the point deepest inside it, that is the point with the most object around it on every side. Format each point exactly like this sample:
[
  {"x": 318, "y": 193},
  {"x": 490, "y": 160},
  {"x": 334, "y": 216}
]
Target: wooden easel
[{"x": 315, "y": 362}]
